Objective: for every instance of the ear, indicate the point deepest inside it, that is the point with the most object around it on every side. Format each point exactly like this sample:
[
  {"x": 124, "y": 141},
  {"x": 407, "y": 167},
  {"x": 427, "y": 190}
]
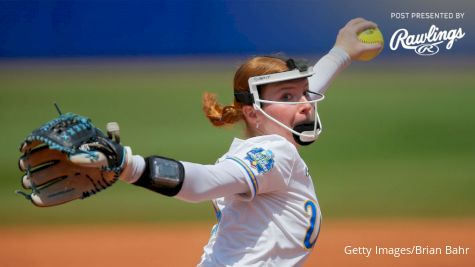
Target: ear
[{"x": 249, "y": 113}]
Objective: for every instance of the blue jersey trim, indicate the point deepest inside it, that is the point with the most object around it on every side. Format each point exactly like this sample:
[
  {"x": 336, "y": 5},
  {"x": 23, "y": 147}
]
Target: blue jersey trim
[
  {"x": 218, "y": 213},
  {"x": 249, "y": 172}
]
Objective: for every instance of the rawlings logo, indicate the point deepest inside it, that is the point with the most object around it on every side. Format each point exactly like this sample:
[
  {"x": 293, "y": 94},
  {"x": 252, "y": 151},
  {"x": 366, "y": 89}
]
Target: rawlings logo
[
  {"x": 260, "y": 159},
  {"x": 425, "y": 44}
]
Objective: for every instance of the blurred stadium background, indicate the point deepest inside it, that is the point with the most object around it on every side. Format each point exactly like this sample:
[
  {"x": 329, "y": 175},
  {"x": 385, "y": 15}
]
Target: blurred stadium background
[{"x": 399, "y": 131}]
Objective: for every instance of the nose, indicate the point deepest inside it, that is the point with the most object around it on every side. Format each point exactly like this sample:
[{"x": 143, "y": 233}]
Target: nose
[{"x": 305, "y": 108}]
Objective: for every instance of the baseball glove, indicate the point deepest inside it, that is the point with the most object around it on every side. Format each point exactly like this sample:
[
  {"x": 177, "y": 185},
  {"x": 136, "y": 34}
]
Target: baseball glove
[{"x": 69, "y": 158}]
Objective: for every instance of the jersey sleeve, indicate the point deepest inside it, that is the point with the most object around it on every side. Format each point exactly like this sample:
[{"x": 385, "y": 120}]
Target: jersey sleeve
[
  {"x": 327, "y": 68},
  {"x": 265, "y": 166},
  {"x": 206, "y": 182}
]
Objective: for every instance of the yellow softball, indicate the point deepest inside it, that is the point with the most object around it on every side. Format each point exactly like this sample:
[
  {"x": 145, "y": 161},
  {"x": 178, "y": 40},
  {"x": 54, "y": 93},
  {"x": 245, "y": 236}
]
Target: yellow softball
[{"x": 371, "y": 36}]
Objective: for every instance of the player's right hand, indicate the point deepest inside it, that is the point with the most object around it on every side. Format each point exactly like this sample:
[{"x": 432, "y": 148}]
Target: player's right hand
[{"x": 347, "y": 38}]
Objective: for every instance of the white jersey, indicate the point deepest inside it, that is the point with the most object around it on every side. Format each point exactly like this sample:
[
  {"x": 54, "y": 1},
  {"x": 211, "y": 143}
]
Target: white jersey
[{"x": 277, "y": 222}]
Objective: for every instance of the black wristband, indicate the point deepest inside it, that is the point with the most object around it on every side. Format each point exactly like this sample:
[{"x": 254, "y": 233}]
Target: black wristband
[{"x": 162, "y": 175}]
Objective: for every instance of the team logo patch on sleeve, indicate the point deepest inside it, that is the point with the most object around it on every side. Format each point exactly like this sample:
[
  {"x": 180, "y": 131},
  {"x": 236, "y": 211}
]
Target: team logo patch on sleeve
[{"x": 262, "y": 160}]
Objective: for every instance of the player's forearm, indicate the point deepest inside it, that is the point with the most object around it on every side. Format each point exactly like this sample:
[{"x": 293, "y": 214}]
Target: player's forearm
[
  {"x": 133, "y": 170},
  {"x": 327, "y": 68},
  {"x": 199, "y": 182}
]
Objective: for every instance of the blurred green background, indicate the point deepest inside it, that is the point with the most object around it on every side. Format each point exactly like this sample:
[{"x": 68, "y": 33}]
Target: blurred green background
[{"x": 398, "y": 136}]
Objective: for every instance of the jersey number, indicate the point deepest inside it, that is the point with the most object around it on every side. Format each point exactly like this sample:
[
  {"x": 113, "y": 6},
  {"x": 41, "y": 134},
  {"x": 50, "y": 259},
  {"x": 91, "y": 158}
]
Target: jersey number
[{"x": 311, "y": 210}]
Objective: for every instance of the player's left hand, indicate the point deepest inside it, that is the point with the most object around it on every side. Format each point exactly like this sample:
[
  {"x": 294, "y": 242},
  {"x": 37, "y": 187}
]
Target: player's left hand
[
  {"x": 347, "y": 38},
  {"x": 69, "y": 158}
]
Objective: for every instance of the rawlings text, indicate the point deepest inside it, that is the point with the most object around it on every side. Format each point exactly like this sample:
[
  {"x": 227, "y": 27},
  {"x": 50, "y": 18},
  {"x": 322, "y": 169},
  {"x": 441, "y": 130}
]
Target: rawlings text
[{"x": 425, "y": 44}]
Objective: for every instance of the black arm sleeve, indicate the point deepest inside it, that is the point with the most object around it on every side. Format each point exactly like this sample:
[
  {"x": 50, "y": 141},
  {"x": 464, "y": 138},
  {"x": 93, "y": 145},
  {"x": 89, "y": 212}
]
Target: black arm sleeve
[{"x": 162, "y": 175}]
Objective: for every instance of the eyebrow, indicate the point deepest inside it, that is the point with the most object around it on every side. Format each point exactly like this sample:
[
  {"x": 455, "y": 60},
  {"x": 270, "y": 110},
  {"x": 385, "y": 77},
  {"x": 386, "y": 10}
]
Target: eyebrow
[{"x": 292, "y": 88}]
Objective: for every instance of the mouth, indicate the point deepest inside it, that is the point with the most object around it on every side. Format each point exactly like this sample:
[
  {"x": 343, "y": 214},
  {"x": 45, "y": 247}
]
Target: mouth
[{"x": 307, "y": 126}]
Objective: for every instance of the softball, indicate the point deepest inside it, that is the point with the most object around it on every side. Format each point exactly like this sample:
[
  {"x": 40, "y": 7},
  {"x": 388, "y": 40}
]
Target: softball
[{"x": 371, "y": 36}]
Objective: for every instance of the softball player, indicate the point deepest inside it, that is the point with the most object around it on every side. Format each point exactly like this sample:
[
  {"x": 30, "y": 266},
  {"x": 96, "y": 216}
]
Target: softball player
[{"x": 261, "y": 189}]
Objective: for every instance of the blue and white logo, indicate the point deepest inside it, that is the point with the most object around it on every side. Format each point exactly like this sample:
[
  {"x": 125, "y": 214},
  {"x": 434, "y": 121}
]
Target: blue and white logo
[{"x": 260, "y": 159}]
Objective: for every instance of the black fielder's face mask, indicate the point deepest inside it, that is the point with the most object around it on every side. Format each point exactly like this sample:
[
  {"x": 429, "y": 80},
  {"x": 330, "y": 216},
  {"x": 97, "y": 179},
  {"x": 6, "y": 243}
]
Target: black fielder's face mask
[{"x": 304, "y": 133}]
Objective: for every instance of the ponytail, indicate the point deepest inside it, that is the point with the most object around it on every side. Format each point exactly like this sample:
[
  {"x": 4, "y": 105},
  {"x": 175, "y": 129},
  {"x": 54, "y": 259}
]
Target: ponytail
[{"x": 218, "y": 114}]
